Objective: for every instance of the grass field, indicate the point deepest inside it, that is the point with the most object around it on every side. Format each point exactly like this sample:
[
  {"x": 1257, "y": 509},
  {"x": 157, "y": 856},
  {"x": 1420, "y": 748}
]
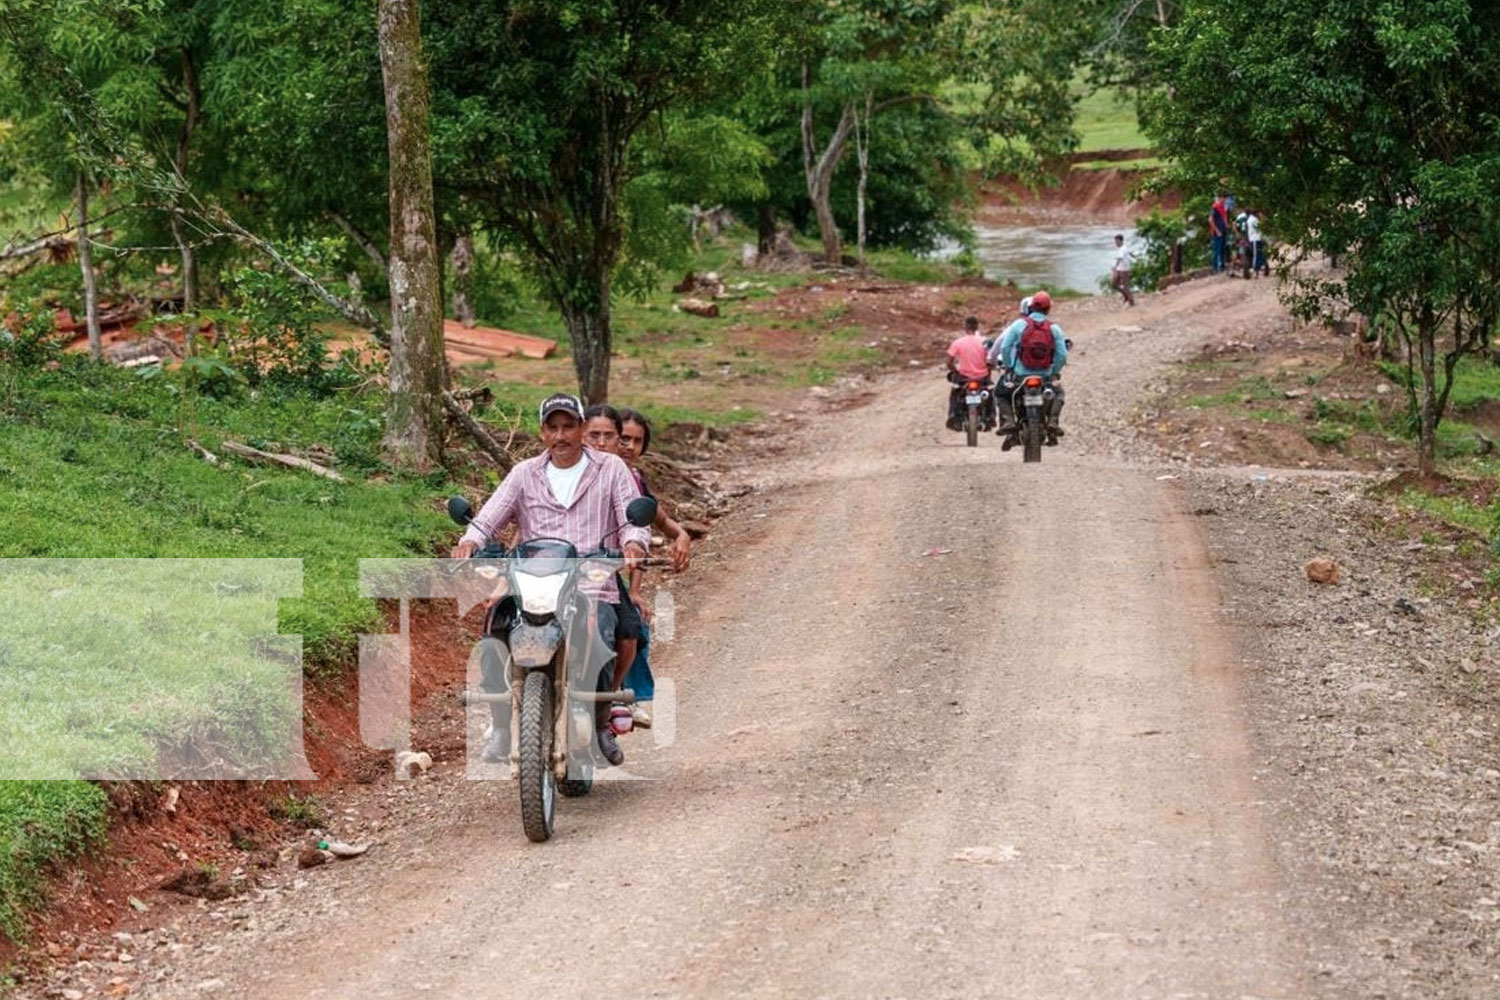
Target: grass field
[{"x": 1104, "y": 121}]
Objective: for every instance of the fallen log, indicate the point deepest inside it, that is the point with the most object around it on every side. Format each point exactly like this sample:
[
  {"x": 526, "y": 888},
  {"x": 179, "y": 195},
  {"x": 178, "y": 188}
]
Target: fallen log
[
  {"x": 697, "y": 307},
  {"x": 273, "y": 458}
]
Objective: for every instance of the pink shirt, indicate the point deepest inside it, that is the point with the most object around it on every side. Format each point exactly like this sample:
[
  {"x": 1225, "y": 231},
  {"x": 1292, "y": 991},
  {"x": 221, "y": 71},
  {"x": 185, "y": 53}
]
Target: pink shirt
[
  {"x": 968, "y": 350},
  {"x": 589, "y": 522}
]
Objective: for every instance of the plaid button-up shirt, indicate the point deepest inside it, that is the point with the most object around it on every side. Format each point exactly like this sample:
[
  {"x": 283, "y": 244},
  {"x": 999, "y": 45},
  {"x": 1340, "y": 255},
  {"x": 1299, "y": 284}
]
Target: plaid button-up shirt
[{"x": 595, "y": 519}]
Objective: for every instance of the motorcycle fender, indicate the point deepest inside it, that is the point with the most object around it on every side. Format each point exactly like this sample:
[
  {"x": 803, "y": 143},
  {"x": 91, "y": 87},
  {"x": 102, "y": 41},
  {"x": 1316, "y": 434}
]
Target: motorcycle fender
[{"x": 534, "y": 645}]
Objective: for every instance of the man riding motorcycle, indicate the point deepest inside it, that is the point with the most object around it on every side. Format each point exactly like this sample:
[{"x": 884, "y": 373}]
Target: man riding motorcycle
[
  {"x": 966, "y": 362},
  {"x": 577, "y": 494},
  {"x": 1023, "y": 339}
]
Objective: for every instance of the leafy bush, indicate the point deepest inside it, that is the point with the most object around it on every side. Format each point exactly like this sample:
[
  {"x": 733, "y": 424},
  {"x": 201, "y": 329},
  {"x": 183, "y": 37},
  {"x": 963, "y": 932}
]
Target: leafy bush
[
  {"x": 41, "y": 821},
  {"x": 270, "y": 327},
  {"x": 1161, "y": 231}
]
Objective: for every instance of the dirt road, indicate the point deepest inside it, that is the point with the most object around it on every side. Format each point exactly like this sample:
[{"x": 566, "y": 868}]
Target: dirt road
[{"x": 947, "y": 725}]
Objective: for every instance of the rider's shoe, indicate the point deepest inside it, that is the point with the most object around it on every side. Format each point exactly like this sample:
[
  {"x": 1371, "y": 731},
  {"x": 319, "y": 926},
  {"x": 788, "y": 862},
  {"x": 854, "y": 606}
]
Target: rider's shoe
[
  {"x": 1009, "y": 443},
  {"x": 1051, "y": 440},
  {"x": 497, "y": 747},
  {"x": 640, "y": 716},
  {"x": 1008, "y": 427},
  {"x": 1056, "y": 430},
  {"x": 610, "y": 748}
]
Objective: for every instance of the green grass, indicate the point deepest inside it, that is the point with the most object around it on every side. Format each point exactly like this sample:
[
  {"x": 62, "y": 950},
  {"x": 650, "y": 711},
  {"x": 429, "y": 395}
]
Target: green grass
[
  {"x": 41, "y": 821},
  {"x": 1145, "y": 163},
  {"x": 898, "y": 265},
  {"x": 1456, "y": 511},
  {"x": 1475, "y": 382},
  {"x": 92, "y": 466},
  {"x": 1104, "y": 121}
]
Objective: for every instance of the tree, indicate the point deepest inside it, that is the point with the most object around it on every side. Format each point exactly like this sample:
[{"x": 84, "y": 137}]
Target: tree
[
  {"x": 537, "y": 105},
  {"x": 56, "y": 58},
  {"x": 1367, "y": 133},
  {"x": 414, "y": 410},
  {"x": 996, "y": 75}
]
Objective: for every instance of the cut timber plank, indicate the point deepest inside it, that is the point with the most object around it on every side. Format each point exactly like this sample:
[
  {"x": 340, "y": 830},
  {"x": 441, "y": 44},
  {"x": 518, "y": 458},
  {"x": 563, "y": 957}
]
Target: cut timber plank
[{"x": 496, "y": 339}]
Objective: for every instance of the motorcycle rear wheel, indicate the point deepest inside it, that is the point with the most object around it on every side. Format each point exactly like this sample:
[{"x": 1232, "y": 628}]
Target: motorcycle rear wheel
[
  {"x": 1031, "y": 441},
  {"x": 971, "y": 426},
  {"x": 538, "y": 788}
]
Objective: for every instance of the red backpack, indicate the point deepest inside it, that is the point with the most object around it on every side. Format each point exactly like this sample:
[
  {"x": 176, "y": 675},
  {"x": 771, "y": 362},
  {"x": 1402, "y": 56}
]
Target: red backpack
[{"x": 1035, "y": 349}]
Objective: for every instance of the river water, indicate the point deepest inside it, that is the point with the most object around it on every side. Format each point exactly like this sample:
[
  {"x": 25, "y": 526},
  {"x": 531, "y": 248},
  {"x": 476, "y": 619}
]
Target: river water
[{"x": 1051, "y": 257}]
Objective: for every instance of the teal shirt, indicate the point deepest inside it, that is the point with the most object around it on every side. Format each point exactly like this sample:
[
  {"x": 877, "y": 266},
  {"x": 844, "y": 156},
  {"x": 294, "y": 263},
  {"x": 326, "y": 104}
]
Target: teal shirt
[{"x": 1009, "y": 344}]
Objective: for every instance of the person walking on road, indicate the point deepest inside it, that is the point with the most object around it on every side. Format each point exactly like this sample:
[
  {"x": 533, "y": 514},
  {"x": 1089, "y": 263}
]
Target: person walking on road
[{"x": 1119, "y": 273}]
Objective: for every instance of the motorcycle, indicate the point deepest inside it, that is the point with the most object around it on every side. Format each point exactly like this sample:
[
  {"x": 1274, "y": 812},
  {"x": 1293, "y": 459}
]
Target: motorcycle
[
  {"x": 1031, "y": 401},
  {"x": 541, "y": 642},
  {"x": 978, "y": 407}
]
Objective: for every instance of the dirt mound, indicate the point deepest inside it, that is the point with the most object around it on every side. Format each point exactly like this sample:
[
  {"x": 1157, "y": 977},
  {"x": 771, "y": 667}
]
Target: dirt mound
[{"x": 1081, "y": 197}]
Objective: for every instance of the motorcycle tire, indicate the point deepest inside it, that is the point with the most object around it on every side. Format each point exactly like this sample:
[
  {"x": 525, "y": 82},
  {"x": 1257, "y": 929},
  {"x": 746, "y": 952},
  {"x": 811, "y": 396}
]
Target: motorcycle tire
[
  {"x": 971, "y": 426},
  {"x": 1031, "y": 441},
  {"x": 577, "y": 788},
  {"x": 538, "y": 799}
]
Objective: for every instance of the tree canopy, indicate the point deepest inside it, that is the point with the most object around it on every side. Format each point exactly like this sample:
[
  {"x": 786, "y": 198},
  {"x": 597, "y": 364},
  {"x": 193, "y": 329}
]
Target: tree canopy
[{"x": 1365, "y": 131}]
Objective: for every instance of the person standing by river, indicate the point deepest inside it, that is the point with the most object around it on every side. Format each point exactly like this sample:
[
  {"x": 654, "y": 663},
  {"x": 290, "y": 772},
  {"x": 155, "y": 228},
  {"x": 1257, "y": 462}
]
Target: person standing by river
[
  {"x": 1119, "y": 272},
  {"x": 1218, "y": 231}
]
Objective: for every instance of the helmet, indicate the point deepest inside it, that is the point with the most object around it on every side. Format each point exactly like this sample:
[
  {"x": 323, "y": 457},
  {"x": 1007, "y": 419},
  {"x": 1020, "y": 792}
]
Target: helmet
[{"x": 1041, "y": 302}]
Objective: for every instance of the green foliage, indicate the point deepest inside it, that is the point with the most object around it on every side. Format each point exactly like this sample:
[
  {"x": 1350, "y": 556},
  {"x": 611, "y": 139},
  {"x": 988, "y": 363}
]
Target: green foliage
[
  {"x": 303, "y": 810},
  {"x": 543, "y": 146},
  {"x": 1370, "y": 137},
  {"x": 1161, "y": 231},
  {"x": 41, "y": 822}
]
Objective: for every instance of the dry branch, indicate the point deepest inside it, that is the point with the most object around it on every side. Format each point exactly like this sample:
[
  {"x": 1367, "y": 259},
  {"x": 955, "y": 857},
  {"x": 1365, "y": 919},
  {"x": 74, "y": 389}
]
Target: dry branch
[
  {"x": 292, "y": 461},
  {"x": 203, "y": 452},
  {"x": 476, "y": 430}
]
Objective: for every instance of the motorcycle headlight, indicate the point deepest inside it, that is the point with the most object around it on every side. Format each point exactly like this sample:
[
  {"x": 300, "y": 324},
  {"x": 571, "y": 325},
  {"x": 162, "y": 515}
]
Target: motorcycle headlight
[{"x": 539, "y": 593}]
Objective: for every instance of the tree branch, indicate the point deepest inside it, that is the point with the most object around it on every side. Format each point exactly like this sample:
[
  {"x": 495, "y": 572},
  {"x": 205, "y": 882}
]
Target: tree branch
[{"x": 361, "y": 239}]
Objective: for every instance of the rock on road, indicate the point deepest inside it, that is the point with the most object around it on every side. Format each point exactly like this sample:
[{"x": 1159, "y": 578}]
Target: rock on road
[{"x": 1014, "y": 767}]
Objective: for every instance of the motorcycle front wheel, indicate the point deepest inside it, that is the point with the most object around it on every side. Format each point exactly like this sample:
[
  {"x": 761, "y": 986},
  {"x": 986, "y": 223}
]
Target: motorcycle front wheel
[{"x": 538, "y": 788}]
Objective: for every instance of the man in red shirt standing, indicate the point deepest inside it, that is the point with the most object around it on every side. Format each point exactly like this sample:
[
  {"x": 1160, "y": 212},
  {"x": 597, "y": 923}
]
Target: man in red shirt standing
[
  {"x": 1218, "y": 232},
  {"x": 966, "y": 361}
]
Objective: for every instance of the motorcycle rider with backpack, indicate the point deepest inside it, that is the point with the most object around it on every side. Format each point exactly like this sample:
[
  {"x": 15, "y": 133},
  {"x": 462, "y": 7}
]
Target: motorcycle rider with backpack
[{"x": 1031, "y": 345}]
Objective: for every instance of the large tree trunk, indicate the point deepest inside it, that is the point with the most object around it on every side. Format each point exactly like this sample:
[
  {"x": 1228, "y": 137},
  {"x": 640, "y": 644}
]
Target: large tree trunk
[
  {"x": 414, "y": 413},
  {"x": 461, "y": 259},
  {"x": 765, "y": 230},
  {"x": 818, "y": 169},
  {"x": 592, "y": 341},
  {"x": 86, "y": 264}
]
